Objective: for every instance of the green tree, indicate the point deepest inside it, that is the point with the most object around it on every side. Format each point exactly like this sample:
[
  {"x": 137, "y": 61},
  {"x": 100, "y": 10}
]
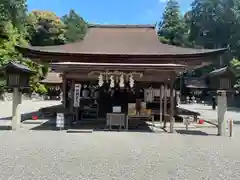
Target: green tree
[
  {"x": 45, "y": 29},
  {"x": 172, "y": 28},
  {"x": 14, "y": 11},
  {"x": 8, "y": 53},
  {"x": 11, "y": 37},
  {"x": 41, "y": 72},
  {"x": 7, "y": 45},
  {"x": 75, "y": 26},
  {"x": 215, "y": 23}
]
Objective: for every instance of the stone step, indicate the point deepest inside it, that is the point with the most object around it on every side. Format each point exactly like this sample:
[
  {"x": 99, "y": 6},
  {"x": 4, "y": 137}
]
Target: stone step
[{"x": 79, "y": 130}]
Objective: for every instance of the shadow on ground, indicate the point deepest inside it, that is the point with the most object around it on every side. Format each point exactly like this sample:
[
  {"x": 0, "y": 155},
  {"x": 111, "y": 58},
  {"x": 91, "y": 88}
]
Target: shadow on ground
[
  {"x": 236, "y": 122},
  {"x": 87, "y": 127},
  {"x": 194, "y": 133},
  {"x": 25, "y": 116},
  {"x": 5, "y": 128},
  {"x": 41, "y": 113},
  {"x": 233, "y": 109}
]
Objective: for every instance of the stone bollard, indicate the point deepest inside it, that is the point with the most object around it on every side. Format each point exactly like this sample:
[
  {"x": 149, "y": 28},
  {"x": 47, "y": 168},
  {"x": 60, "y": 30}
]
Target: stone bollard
[
  {"x": 230, "y": 128},
  {"x": 186, "y": 122}
]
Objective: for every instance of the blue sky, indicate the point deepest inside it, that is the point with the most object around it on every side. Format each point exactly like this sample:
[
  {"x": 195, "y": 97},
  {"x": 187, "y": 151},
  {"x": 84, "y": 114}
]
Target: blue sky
[{"x": 109, "y": 11}]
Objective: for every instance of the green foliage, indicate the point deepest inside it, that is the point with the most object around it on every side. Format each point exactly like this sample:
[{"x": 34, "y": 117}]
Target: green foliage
[
  {"x": 7, "y": 45},
  {"x": 14, "y": 11},
  {"x": 2, "y": 84},
  {"x": 173, "y": 29},
  {"x": 41, "y": 72},
  {"x": 45, "y": 29},
  {"x": 75, "y": 26},
  {"x": 216, "y": 23},
  {"x": 42, "y": 89},
  {"x": 235, "y": 65},
  {"x": 39, "y": 28}
]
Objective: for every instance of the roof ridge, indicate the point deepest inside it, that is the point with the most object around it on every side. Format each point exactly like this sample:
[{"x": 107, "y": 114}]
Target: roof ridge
[{"x": 121, "y": 26}]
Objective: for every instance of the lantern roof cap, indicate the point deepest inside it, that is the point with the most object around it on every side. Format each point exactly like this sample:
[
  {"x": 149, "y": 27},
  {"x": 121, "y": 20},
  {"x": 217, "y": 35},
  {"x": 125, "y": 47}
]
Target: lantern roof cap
[{"x": 17, "y": 66}]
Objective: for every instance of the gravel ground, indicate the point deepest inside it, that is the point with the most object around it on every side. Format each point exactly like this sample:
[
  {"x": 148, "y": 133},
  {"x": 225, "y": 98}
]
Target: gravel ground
[
  {"x": 50, "y": 155},
  {"x": 55, "y": 155}
]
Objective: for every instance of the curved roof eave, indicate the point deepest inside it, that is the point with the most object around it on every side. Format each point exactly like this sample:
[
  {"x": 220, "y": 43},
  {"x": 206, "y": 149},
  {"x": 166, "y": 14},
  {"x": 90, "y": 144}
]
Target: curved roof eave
[{"x": 40, "y": 51}]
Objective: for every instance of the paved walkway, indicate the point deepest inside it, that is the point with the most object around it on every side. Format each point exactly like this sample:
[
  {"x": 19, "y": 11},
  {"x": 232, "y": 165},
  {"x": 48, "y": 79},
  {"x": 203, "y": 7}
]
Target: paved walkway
[
  {"x": 211, "y": 115},
  {"x": 27, "y": 106}
]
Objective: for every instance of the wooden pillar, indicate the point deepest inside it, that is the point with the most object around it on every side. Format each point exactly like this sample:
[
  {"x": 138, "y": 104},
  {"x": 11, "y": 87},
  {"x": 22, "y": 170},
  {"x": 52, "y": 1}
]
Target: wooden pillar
[
  {"x": 64, "y": 93},
  {"x": 72, "y": 95},
  {"x": 161, "y": 104},
  {"x": 165, "y": 106},
  {"x": 172, "y": 107}
]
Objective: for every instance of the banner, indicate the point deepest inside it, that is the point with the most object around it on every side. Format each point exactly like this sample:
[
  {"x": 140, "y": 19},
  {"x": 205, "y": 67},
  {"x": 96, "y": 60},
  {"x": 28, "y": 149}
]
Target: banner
[{"x": 77, "y": 94}]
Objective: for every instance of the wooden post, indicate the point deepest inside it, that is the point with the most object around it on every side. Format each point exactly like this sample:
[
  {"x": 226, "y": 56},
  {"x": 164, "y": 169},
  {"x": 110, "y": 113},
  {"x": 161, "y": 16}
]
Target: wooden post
[
  {"x": 64, "y": 95},
  {"x": 161, "y": 108},
  {"x": 72, "y": 96},
  {"x": 230, "y": 127},
  {"x": 172, "y": 106},
  {"x": 165, "y": 106}
]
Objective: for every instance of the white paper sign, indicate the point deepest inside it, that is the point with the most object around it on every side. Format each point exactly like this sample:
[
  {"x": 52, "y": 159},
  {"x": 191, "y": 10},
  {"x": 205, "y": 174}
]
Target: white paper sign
[
  {"x": 77, "y": 93},
  {"x": 117, "y": 109},
  {"x": 148, "y": 95},
  {"x": 60, "y": 120},
  {"x": 186, "y": 121},
  {"x": 156, "y": 92}
]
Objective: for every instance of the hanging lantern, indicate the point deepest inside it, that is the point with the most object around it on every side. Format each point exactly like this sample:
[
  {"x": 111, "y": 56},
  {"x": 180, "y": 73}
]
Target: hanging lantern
[
  {"x": 131, "y": 81},
  {"x": 100, "y": 80},
  {"x": 112, "y": 84},
  {"x": 121, "y": 83}
]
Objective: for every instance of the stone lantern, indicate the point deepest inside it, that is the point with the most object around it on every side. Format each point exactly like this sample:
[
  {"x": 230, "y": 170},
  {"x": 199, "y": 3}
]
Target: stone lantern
[{"x": 17, "y": 77}]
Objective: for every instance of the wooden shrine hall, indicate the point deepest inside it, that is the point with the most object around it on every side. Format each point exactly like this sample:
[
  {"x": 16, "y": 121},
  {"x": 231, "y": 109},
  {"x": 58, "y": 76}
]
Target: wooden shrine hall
[{"x": 121, "y": 69}]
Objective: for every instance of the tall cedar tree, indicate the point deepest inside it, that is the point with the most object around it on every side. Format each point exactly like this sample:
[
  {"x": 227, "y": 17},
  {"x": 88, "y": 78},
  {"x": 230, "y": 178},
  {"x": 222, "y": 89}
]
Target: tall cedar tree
[
  {"x": 172, "y": 28},
  {"x": 75, "y": 26}
]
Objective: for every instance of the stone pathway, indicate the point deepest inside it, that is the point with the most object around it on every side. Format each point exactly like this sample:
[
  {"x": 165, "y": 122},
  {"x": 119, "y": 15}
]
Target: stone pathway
[{"x": 211, "y": 115}]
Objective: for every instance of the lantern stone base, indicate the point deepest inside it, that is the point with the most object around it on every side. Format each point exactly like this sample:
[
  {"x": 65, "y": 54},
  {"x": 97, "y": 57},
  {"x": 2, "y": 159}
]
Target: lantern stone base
[
  {"x": 16, "y": 114},
  {"x": 222, "y": 108}
]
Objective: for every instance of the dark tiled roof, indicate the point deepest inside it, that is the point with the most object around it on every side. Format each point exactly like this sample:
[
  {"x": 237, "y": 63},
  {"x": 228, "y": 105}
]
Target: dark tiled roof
[
  {"x": 195, "y": 83},
  {"x": 121, "y": 40},
  {"x": 218, "y": 71},
  {"x": 17, "y": 66},
  {"x": 52, "y": 78},
  {"x": 221, "y": 71}
]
